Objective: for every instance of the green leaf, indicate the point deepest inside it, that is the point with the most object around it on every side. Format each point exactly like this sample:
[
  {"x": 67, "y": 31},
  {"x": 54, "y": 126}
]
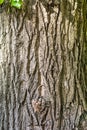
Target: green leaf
[
  {"x": 1, "y": 2},
  {"x": 16, "y": 3}
]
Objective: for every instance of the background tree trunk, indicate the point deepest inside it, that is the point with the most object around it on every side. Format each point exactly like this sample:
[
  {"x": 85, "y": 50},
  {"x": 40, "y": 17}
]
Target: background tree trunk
[{"x": 42, "y": 66}]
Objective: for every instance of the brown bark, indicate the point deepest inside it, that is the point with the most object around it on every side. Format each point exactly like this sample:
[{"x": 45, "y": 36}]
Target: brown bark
[{"x": 42, "y": 78}]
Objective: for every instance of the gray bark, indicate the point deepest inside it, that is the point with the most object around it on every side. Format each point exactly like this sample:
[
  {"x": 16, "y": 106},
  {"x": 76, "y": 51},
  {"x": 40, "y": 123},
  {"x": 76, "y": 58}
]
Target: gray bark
[{"x": 42, "y": 78}]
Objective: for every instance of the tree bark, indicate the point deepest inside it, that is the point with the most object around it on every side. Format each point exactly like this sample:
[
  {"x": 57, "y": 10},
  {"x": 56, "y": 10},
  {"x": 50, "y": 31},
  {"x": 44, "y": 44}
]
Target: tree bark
[{"x": 42, "y": 66}]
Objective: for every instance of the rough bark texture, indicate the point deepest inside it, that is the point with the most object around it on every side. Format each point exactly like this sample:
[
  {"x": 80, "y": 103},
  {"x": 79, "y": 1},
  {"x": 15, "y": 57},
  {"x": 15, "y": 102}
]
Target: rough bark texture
[{"x": 42, "y": 78}]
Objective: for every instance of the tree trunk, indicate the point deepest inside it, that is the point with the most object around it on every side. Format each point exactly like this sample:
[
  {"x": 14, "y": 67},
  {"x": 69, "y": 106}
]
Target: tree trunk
[{"x": 42, "y": 66}]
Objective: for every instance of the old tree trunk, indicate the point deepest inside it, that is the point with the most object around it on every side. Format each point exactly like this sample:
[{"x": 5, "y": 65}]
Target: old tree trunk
[{"x": 43, "y": 66}]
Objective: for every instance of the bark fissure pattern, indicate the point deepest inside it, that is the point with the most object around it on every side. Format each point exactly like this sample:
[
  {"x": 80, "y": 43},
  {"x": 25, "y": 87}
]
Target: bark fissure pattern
[{"x": 41, "y": 67}]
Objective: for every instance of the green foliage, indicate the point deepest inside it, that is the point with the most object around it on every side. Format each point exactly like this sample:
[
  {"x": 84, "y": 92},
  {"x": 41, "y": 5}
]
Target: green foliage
[
  {"x": 16, "y": 3},
  {"x": 1, "y": 2}
]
